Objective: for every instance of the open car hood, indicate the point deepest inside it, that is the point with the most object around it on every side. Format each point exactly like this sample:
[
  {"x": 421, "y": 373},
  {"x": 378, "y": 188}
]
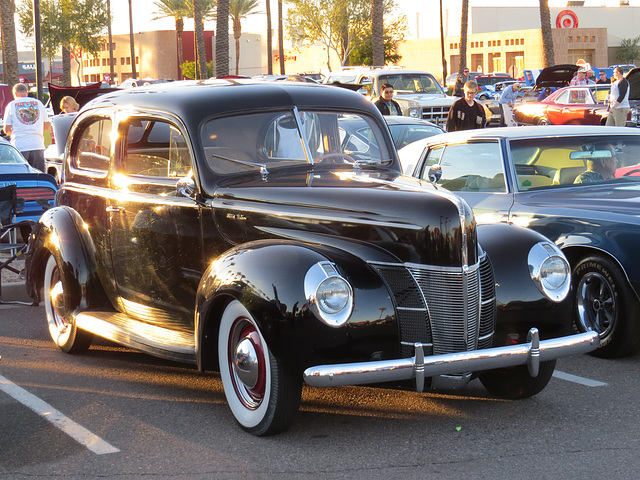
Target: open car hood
[
  {"x": 634, "y": 83},
  {"x": 557, "y": 76}
]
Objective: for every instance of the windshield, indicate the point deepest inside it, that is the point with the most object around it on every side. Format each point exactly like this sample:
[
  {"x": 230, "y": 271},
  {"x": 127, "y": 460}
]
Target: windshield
[
  {"x": 404, "y": 83},
  {"x": 9, "y": 155},
  {"x": 554, "y": 162},
  {"x": 269, "y": 140}
]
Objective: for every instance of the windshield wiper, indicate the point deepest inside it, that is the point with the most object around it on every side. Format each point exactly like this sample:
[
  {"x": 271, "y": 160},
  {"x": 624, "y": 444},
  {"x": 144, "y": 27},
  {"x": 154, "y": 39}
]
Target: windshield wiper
[{"x": 263, "y": 168}]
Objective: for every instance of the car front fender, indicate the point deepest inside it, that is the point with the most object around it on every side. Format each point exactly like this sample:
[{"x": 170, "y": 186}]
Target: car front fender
[{"x": 268, "y": 278}]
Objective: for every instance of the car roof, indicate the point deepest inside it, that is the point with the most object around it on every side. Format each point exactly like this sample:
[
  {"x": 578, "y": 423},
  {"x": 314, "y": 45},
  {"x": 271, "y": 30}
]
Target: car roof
[
  {"x": 195, "y": 100},
  {"x": 533, "y": 131}
]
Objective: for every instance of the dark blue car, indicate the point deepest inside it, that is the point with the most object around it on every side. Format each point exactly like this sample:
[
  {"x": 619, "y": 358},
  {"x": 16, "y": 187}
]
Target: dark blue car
[
  {"x": 537, "y": 177},
  {"x": 37, "y": 189}
]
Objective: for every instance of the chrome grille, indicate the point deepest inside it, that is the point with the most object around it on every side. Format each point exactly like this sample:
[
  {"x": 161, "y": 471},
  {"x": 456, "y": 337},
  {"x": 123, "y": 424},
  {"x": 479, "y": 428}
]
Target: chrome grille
[
  {"x": 445, "y": 309},
  {"x": 454, "y": 306},
  {"x": 435, "y": 114}
]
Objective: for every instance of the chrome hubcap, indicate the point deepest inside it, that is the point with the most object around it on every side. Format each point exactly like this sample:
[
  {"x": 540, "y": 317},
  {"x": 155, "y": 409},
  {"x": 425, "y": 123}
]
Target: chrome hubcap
[
  {"x": 596, "y": 304},
  {"x": 246, "y": 363}
]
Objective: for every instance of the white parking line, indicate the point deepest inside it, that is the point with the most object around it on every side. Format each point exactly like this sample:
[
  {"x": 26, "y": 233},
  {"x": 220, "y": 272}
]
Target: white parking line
[
  {"x": 68, "y": 426},
  {"x": 576, "y": 379}
]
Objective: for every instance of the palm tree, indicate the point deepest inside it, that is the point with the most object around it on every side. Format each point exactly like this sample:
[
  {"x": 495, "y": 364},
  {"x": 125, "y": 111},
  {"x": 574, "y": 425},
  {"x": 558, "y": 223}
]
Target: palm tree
[
  {"x": 222, "y": 39},
  {"x": 239, "y": 9},
  {"x": 463, "y": 35},
  {"x": 269, "y": 40},
  {"x": 280, "y": 38},
  {"x": 547, "y": 36},
  {"x": 9, "y": 45},
  {"x": 377, "y": 32},
  {"x": 179, "y": 10},
  {"x": 201, "y": 53}
]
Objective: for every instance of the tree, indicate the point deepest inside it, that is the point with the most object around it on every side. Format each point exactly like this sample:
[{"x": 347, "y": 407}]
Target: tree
[
  {"x": 222, "y": 39},
  {"x": 201, "y": 53},
  {"x": 280, "y": 37},
  {"x": 189, "y": 69},
  {"x": 547, "y": 36},
  {"x": 269, "y": 40},
  {"x": 464, "y": 26},
  {"x": 341, "y": 25},
  {"x": 395, "y": 29},
  {"x": 9, "y": 44},
  {"x": 377, "y": 32},
  {"x": 239, "y": 9},
  {"x": 75, "y": 25},
  {"x": 179, "y": 10},
  {"x": 629, "y": 50}
]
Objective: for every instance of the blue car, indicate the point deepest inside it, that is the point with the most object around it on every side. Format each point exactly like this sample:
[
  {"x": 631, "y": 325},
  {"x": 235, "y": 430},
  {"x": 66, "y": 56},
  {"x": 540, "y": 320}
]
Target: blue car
[{"x": 37, "y": 189}]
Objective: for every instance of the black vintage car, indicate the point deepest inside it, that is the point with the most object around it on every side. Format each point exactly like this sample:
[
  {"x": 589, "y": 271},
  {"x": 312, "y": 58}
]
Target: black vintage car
[{"x": 224, "y": 224}]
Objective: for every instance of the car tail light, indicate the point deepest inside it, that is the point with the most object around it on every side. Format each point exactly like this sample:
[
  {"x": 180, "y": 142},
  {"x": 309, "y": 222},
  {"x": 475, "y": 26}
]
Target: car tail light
[{"x": 30, "y": 194}]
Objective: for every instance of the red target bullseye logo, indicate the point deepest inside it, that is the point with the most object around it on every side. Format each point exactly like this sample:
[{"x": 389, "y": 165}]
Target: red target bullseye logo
[{"x": 567, "y": 19}]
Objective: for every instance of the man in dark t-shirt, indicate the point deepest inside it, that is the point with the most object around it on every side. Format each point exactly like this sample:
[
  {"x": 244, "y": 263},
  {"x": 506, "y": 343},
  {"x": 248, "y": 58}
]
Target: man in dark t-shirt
[{"x": 466, "y": 113}]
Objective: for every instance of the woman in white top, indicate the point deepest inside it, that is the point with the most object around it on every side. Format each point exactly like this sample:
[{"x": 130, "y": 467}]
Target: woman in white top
[{"x": 619, "y": 100}]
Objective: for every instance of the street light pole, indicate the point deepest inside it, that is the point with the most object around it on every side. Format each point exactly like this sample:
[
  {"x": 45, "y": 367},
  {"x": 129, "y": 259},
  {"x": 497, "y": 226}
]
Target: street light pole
[
  {"x": 133, "y": 51},
  {"x": 36, "y": 28},
  {"x": 111, "y": 72}
]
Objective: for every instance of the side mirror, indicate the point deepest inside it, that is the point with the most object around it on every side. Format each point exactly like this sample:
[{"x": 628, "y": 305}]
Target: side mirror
[
  {"x": 435, "y": 172},
  {"x": 186, "y": 187}
]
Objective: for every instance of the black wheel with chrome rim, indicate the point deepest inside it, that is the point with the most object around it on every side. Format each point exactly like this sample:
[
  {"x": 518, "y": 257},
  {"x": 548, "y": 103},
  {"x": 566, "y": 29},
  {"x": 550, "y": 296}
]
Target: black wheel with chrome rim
[
  {"x": 262, "y": 394},
  {"x": 605, "y": 303},
  {"x": 57, "y": 299}
]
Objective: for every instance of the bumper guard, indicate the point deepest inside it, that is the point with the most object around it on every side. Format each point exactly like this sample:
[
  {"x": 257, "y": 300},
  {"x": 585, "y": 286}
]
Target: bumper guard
[{"x": 531, "y": 353}]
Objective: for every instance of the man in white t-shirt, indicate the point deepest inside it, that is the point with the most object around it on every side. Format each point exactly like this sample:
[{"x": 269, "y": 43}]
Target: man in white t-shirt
[{"x": 26, "y": 119}]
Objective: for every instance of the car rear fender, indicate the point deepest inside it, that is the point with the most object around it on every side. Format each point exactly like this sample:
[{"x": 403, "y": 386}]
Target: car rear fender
[{"x": 61, "y": 232}]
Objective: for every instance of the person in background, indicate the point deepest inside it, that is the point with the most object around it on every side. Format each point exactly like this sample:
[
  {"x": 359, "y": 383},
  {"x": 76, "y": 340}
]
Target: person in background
[
  {"x": 461, "y": 80},
  {"x": 386, "y": 104},
  {"x": 69, "y": 105},
  {"x": 507, "y": 101},
  {"x": 591, "y": 77},
  {"x": 466, "y": 113},
  {"x": 26, "y": 119},
  {"x": 545, "y": 93},
  {"x": 619, "y": 100},
  {"x": 603, "y": 77},
  {"x": 580, "y": 78}
]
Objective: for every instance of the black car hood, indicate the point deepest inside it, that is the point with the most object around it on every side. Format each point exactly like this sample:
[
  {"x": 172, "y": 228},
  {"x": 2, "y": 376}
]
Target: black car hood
[
  {"x": 417, "y": 223},
  {"x": 557, "y": 76}
]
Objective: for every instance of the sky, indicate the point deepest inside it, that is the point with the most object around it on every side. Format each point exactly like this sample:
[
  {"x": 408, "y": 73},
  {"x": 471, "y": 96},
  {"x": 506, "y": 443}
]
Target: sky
[{"x": 144, "y": 13}]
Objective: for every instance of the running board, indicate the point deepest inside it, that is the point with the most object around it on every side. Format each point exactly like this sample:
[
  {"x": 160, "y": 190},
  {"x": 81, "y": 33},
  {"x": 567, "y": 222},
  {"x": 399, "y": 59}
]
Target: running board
[{"x": 151, "y": 339}]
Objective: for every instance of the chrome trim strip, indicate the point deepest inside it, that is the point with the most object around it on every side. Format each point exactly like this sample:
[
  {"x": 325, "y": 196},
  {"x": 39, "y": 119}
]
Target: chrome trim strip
[
  {"x": 411, "y": 309},
  {"x": 408, "y": 368},
  {"x": 414, "y": 344}
]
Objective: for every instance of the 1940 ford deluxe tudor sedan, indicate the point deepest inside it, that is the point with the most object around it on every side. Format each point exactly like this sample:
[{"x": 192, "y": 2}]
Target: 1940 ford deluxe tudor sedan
[{"x": 230, "y": 225}]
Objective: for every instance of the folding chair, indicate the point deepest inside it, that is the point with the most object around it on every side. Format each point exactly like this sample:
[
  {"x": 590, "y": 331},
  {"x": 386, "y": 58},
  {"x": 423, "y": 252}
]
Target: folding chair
[{"x": 10, "y": 206}]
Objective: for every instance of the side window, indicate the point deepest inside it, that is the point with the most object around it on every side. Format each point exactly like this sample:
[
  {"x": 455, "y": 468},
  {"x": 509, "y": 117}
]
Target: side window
[
  {"x": 472, "y": 167},
  {"x": 563, "y": 97},
  {"x": 92, "y": 151},
  {"x": 155, "y": 148}
]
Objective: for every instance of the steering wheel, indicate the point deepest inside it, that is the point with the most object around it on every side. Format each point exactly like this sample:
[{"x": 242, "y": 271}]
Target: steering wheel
[{"x": 335, "y": 156}]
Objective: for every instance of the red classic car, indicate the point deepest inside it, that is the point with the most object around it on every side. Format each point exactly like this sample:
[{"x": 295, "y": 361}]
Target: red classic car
[{"x": 578, "y": 105}]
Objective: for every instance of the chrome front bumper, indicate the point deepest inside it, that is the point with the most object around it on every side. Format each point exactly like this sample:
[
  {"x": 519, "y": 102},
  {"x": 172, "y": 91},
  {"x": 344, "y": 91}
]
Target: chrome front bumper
[{"x": 419, "y": 367}]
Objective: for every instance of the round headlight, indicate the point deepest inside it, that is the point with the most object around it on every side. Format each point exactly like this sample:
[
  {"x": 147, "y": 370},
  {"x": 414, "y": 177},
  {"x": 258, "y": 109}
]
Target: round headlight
[
  {"x": 550, "y": 271},
  {"x": 554, "y": 272},
  {"x": 328, "y": 294},
  {"x": 333, "y": 295}
]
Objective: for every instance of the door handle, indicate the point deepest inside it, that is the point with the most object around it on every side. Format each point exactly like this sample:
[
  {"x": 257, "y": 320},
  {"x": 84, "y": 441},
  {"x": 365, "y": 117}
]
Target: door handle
[{"x": 111, "y": 209}]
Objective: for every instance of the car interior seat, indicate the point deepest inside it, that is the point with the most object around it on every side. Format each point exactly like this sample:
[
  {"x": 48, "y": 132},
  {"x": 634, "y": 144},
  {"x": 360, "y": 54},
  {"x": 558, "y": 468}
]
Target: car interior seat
[{"x": 566, "y": 175}]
